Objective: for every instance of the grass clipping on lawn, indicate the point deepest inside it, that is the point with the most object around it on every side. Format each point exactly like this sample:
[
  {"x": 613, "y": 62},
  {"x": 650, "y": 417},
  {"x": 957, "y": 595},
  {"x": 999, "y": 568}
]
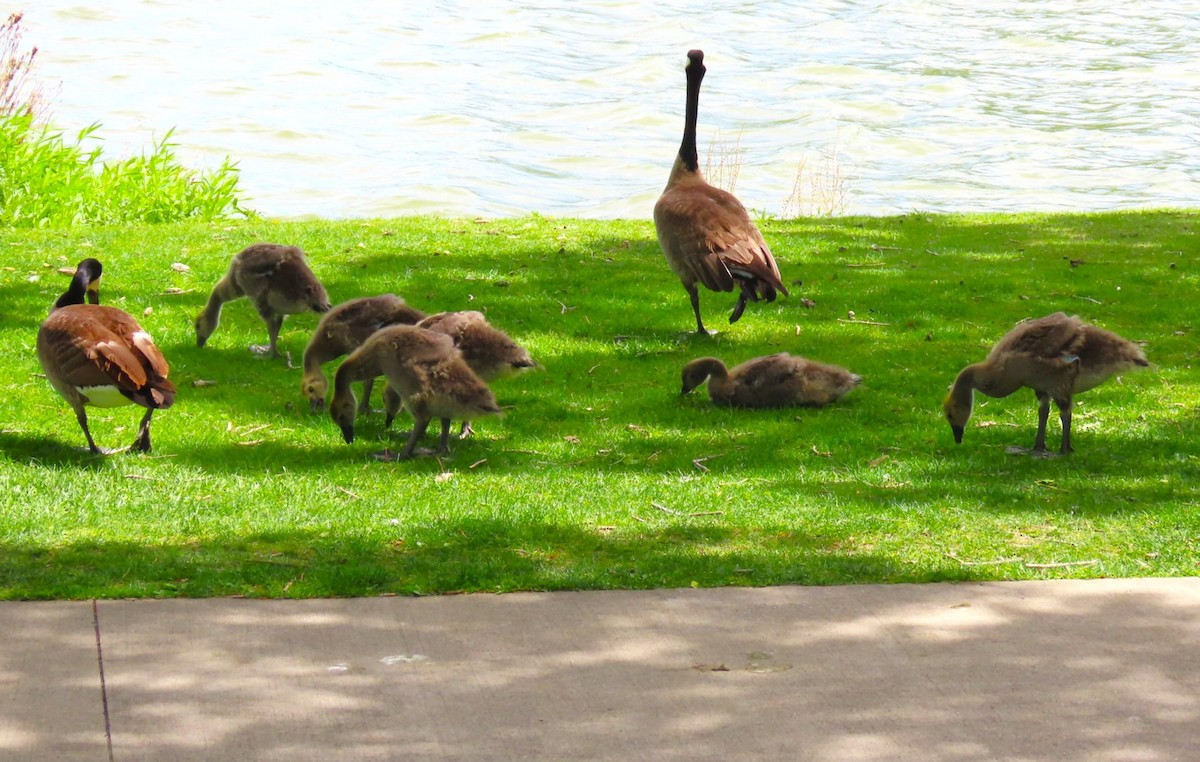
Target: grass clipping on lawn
[{"x": 600, "y": 475}]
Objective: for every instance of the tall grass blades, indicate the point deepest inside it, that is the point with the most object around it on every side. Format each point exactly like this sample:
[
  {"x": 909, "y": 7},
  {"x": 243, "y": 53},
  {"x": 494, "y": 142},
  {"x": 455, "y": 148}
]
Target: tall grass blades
[{"x": 46, "y": 181}]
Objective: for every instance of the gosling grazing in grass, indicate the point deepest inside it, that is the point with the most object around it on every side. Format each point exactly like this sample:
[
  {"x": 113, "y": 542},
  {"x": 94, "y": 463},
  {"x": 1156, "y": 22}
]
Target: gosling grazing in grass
[
  {"x": 779, "y": 380},
  {"x": 100, "y": 356},
  {"x": 276, "y": 279},
  {"x": 705, "y": 232},
  {"x": 425, "y": 372},
  {"x": 1058, "y": 356},
  {"x": 490, "y": 352},
  {"x": 342, "y": 330}
]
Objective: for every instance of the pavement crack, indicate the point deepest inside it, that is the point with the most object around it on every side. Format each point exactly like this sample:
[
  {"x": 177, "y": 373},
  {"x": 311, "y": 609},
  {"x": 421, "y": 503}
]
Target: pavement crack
[{"x": 103, "y": 686}]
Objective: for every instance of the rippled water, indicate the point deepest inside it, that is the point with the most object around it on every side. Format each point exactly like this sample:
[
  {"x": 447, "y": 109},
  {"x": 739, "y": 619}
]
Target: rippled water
[{"x": 381, "y": 108}]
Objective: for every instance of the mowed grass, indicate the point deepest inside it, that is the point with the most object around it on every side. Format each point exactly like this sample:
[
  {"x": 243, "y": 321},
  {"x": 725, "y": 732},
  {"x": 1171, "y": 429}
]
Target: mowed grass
[{"x": 600, "y": 475}]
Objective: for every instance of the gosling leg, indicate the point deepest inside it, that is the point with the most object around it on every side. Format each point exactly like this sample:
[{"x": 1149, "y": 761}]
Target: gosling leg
[
  {"x": 368, "y": 385},
  {"x": 1039, "y": 444},
  {"x": 419, "y": 428},
  {"x": 1064, "y": 415}
]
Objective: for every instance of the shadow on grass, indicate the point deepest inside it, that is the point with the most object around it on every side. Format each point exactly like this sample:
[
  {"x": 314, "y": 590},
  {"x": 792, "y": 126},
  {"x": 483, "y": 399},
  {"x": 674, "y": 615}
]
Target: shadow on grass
[
  {"x": 39, "y": 451},
  {"x": 466, "y": 554}
]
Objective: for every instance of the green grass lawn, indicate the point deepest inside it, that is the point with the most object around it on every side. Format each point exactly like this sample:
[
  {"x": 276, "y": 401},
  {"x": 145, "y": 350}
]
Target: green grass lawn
[{"x": 600, "y": 475}]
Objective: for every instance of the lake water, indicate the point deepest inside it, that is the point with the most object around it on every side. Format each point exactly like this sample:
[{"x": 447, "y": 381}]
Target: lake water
[{"x": 379, "y": 108}]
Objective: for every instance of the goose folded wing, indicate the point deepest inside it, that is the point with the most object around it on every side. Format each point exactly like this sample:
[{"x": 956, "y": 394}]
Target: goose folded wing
[
  {"x": 1051, "y": 338},
  {"x": 453, "y": 323},
  {"x": 91, "y": 354}
]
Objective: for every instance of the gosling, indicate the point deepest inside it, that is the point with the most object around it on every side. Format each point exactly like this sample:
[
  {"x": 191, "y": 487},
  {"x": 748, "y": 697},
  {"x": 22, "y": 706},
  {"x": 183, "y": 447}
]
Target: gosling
[
  {"x": 490, "y": 352},
  {"x": 279, "y": 282},
  {"x": 426, "y": 373},
  {"x": 342, "y": 330},
  {"x": 1058, "y": 356},
  {"x": 779, "y": 380}
]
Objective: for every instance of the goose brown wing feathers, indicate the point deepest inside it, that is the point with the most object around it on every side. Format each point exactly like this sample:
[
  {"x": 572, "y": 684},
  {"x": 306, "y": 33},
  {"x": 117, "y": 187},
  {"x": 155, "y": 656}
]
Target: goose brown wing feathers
[
  {"x": 91, "y": 345},
  {"x": 1049, "y": 338},
  {"x": 453, "y": 323},
  {"x": 712, "y": 239}
]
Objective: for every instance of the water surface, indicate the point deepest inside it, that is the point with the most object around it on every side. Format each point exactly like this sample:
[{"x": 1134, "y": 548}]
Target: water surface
[{"x": 380, "y": 108}]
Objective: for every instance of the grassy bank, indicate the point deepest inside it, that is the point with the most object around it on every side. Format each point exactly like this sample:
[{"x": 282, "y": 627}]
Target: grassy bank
[{"x": 600, "y": 475}]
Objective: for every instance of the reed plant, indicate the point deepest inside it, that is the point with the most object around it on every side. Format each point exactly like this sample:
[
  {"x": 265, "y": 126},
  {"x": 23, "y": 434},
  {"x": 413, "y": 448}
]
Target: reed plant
[
  {"x": 49, "y": 181},
  {"x": 599, "y": 474}
]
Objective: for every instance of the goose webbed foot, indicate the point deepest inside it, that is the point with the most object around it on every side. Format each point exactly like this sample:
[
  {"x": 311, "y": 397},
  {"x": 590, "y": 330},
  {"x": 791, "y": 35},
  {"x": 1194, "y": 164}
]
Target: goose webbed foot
[{"x": 264, "y": 350}]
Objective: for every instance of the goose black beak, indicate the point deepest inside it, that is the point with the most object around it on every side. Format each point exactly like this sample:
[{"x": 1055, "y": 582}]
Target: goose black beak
[{"x": 958, "y": 432}]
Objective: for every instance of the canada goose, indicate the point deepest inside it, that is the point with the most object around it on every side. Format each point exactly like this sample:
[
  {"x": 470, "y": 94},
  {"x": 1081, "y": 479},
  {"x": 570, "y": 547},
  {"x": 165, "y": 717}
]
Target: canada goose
[
  {"x": 1058, "y": 356},
  {"x": 425, "y": 372},
  {"x": 343, "y": 329},
  {"x": 279, "y": 282},
  {"x": 100, "y": 356},
  {"x": 705, "y": 232},
  {"x": 490, "y": 352},
  {"x": 779, "y": 380}
]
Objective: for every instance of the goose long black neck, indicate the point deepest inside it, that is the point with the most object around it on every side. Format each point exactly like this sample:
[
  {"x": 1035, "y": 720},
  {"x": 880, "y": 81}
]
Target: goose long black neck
[
  {"x": 85, "y": 284},
  {"x": 695, "y": 75}
]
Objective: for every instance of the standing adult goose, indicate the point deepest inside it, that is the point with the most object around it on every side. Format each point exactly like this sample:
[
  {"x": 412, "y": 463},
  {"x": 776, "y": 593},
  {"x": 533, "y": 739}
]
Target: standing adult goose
[
  {"x": 342, "y": 330},
  {"x": 425, "y": 372},
  {"x": 276, "y": 279},
  {"x": 779, "y": 380},
  {"x": 1058, "y": 356},
  {"x": 100, "y": 356},
  {"x": 705, "y": 232}
]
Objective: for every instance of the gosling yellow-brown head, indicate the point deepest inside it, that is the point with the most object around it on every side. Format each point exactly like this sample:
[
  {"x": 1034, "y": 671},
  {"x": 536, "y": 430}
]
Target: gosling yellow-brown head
[
  {"x": 315, "y": 388},
  {"x": 344, "y": 410},
  {"x": 957, "y": 414}
]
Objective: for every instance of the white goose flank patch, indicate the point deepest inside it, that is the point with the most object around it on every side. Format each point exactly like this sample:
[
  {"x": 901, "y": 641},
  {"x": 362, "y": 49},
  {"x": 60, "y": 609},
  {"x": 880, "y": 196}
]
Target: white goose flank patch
[{"x": 104, "y": 396}]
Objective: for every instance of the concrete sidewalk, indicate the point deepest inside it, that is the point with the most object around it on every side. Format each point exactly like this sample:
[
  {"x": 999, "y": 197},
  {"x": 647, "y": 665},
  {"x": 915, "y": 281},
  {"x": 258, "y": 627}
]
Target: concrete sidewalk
[{"x": 1095, "y": 670}]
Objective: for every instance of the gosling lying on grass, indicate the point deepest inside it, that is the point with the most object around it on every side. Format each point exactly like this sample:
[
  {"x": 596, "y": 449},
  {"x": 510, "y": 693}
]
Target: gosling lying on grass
[
  {"x": 779, "y": 380},
  {"x": 425, "y": 372},
  {"x": 342, "y": 330},
  {"x": 1058, "y": 356},
  {"x": 279, "y": 282}
]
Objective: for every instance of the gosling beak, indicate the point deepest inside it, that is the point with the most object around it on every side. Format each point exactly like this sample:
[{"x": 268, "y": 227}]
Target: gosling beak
[
  {"x": 958, "y": 432},
  {"x": 316, "y": 406},
  {"x": 200, "y": 340},
  {"x": 348, "y": 434}
]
